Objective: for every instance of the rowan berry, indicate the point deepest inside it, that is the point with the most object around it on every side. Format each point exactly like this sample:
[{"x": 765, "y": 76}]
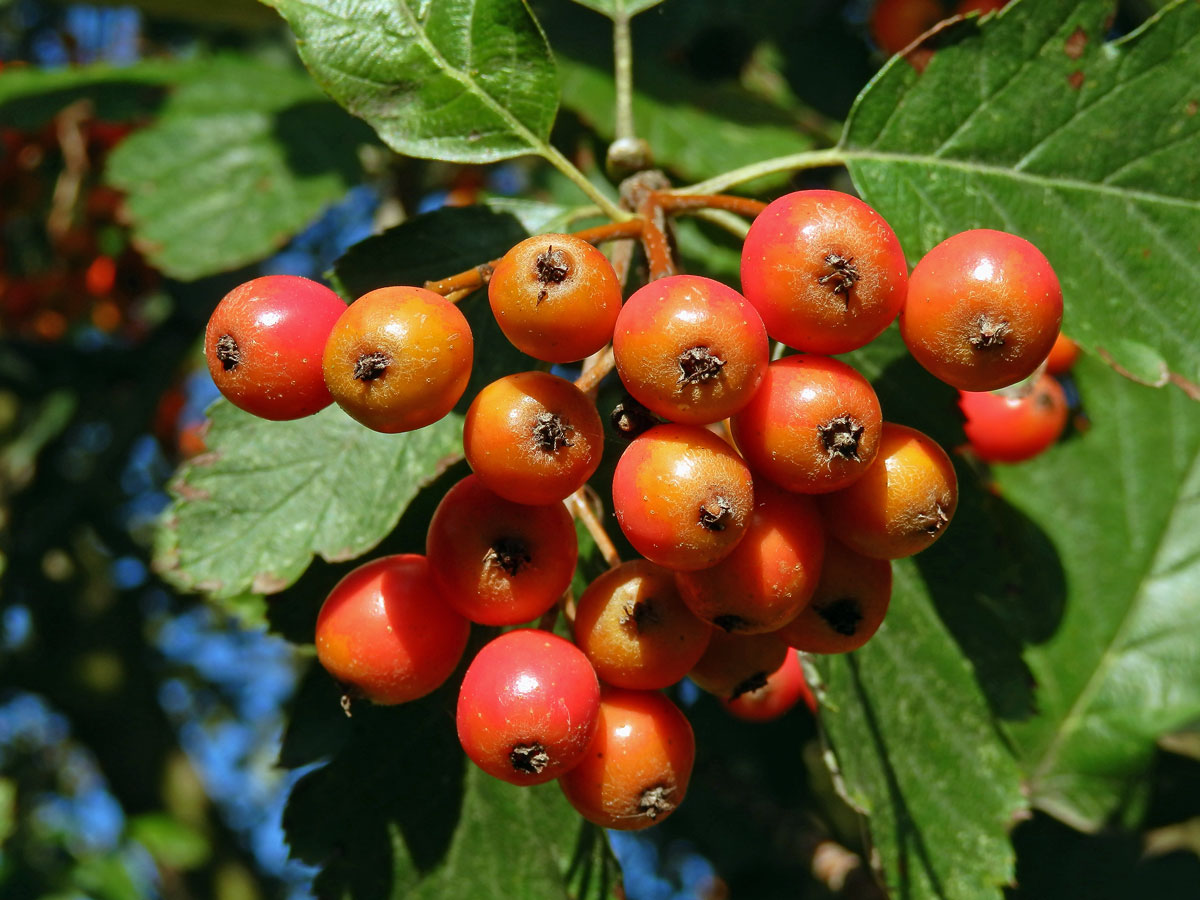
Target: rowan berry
[
  {"x": 528, "y": 706},
  {"x": 636, "y": 770},
  {"x": 1062, "y": 355},
  {"x": 897, "y": 23},
  {"x": 1017, "y": 424},
  {"x": 785, "y": 688},
  {"x": 682, "y": 496},
  {"x": 264, "y": 343},
  {"x": 983, "y": 310},
  {"x": 690, "y": 349},
  {"x": 636, "y": 630},
  {"x": 385, "y": 631},
  {"x": 736, "y": 663},
  {"x": 533, "y": 437},
  {"x": 824, "y": 270},
  {"x": 498, "y": 562},
  {"x": 555, "y": 297},
  {"x": 399, "y": 358},
  {"x": 902, "y": 504},
  {"x": 771, "y": 573},
  {"x": 812, "y": 427},
  {"x": 848, "y": 605}
]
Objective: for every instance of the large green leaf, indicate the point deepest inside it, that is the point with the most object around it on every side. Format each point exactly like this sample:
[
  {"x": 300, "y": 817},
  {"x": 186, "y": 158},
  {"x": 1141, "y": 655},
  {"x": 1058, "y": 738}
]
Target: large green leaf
[
  {"x": 1123, "y": 667},
  {"x": 398, "y": 812},
  {"x": 251, "y": 514},
  {"x": 1031, "y": 123},
  {"x": 460, "y": 80},
  {"x": 695, "y": 130},
  {"x": 230, "y": 170}
]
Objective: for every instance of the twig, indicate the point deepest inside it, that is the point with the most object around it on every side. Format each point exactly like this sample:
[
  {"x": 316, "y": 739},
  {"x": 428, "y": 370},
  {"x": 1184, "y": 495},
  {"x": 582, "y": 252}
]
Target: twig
[{"x": 582, "y": 510}]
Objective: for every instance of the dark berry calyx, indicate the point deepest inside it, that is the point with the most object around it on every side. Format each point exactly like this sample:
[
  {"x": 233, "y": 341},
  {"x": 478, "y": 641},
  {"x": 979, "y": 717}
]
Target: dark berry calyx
[
  {"x": 656, "y": 801},
  {"x": 227, "y": 352},
  {"x": 842, "y": 275},
  {"x": 629, "y": 418},
  {"x": 529, "y": 758},
  {"x": 370, "y": 366},
  {"x": 732, "y": 623},
  {"x": 932, "y": 523},
  {"x": 699, "y": 364},
  {"x": 842, "y": 615},
  {"x": 551, "y": 267},
  {"x": 715, "y": 514},
  {"x": 753, "y": 683},
  {"x": 509, "y": 554},
  {"x": 550, "y": 433},
  {"x": 992, "y": 333},
  {"x": 641, "y": 614},
  {"x": 841, "y": 437}
]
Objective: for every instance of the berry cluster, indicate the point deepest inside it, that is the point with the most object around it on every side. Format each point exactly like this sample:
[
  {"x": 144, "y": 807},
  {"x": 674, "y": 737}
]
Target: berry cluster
[{"x": 764, "y": 497}]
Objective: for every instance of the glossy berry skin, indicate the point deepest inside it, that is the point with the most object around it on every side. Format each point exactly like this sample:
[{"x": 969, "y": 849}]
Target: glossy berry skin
[
  {"x": 736, "y": 663},
  {"x": 499, "y": 562},
  {"x": 528, "y": 707},
  {"x": 264, "y": 342},
  {"x": 399, "y": 358},
  {"x": 385, "y": 632},
  {"x": 902, "y": 504},
  {"x": 1014, "y": 426},
  {"x": 824, "y": 270},
  {"x": 635, "y": 628},
  {"x": 555, "y": 297},
  {"x": 848, "y": 606},
  {"x": 690, "y": 349},
  {"x": 682, "y": 496},
  {"x": 785, "y": 688},
  {"x": 983, "y": 310},
  {"x": 771, "y": 573},
  {"x": 897, "y": 23},
  {"x": 1062, "y": 355},
  {"x": 636, "y": 771},
  {"x": 533, "y": 437},
  {"x": 812, "y": 427}
]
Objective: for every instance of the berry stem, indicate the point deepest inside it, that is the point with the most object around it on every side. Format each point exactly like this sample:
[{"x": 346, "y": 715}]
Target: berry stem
[
  {"x": 795, "y": 162},
  {"x": 582, "y": 510},
  {"x": 678, "y": 203},
  {"x": 594, "y": 373},
  {"x": 654, "y": 238},
  {"x": 607, "y": 206}
]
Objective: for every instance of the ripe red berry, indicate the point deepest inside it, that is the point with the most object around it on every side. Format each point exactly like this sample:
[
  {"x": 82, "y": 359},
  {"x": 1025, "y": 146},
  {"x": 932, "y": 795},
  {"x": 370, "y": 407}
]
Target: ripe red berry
[
  {"x": 848, "y": 606},
  {"x": 690, "y": 349},
  {"x": 1062, "y": 355},
  {"x": 980, "y": 6},
  {"x": 498, "y": 562},
  {"x": 897, "y": 23},
  {"x": 1014, "y": 425},
  {"x": 636, "y": 771},
  {"x": 983, "y": 310},
  {"x": 902, "y": 504},
  {"x": 771, "y": 573},
  {"x": 812, "y": 427},
  {"x": 528, "y": 706},
  {"x": 785, "y": 688},
  {"x": 682, "y": 496},
  {"x": 637, "y": 631},
  {"x": 736, "y": 663},
  {"x": 824, "y": 270},
  {"x": 533, "y": 437},
  {"x": 386, "y": 633},
  {"x": 555, "y": 297},
  {"x": 399, "y": 358},
  {"x": 264, "y": 344}
]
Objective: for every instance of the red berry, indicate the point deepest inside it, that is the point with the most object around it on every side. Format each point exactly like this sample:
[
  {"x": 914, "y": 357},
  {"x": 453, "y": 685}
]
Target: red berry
[
  {"x": 386, "y": 633},
  {"x": 824, "y": 270},
  {"x": 264, "y": 344},
  {"x": 690, "y": 349},
  {"x": 528, "y": 707},
  {"x": 848, "y": 605},
  {"x": 983, "y": 310},
  {"x": 498, "y": 562},
  {"x": 1062, "y": 355},
  {"x": 1015, "y": 425},
  {"x": 736, "y": 663},
  {"x": 785, "y": 688},
  {"x": 399, "y": 358},
  {"x": 897, "y": 23},
  {"x": 636, "y": 771}
]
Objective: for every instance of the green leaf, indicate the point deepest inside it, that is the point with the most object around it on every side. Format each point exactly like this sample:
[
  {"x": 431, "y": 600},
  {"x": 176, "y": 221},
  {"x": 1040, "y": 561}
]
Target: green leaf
[
  {"x": 231, "y": 170},
  {"x": 399, "y": 812},
  {"x": 1122, "y": 502},
  {"x": 172, "y": 843},
  {"x": 696, "y": 130},
  {"x": 1031, "y": 123},
  {"x": 616, "y": 8},
  {"x": 459, "y": 80}
]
